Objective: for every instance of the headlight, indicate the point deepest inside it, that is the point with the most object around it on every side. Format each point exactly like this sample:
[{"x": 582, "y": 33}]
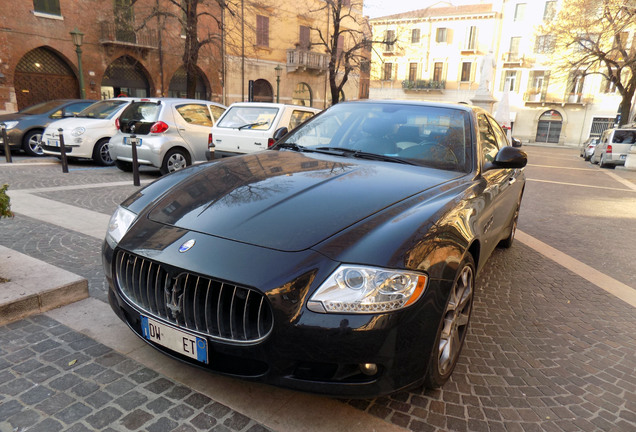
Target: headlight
[
  {"x": 358, "y": 289},
  {"x": 119, "y": 223},
  {"x": 78, "y": 131},
  {"x": 10, "y": 124}
]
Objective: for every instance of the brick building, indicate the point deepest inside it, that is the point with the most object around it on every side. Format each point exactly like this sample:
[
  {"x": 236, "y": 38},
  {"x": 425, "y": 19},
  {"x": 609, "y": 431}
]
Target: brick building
[{"x": 39, "y": 61}]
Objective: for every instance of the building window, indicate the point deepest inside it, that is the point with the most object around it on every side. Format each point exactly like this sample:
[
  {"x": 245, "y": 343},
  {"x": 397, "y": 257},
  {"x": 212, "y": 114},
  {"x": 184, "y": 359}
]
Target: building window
[
  {"x": 438, "y": 69},
  {"x": 537, "y": 86},
  {"x": 389, "y": 40},
  {"x": 412, "y": 71},
  {"x": 262, "y": 31},
  {"x": 466, "y": 69},
  {"x": 520, "y": 11},
  {"x": 47, "y": 6},
  {"x": 471, "y": 38},
  {"x": 550, "y": 10},
  {"x": 510, "y": 80},
  {"x": 387, "y": 72},
  {"x": 340, "y": 46},
  {"x": 609, "y": 85},
  {"x": 415, "y": 36},
  {"x": 513, "y": 54},
  {"x": 544, "y": 44},
  {"x": 441, "y": 35},
  {"x": 304, "y": 38},
  {"x": 575, "y": 87}
]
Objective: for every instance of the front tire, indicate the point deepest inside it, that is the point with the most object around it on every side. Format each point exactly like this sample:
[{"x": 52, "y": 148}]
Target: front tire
[
  {"x": 453, "y": 327},
  {"x": 508, "y": 241},
  {"x": 101, "y": 155},
  {"x": 174, "y": 160},
  {"x": 31, "y": 143}
]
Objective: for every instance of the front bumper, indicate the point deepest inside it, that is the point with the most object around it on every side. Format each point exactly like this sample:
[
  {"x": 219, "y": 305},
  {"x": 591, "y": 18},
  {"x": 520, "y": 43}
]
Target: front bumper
[{"x": 307, "y": 351}]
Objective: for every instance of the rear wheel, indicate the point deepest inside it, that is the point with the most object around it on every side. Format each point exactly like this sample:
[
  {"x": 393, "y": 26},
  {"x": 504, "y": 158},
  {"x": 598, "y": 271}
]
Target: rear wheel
[
  {"x": 101, "y": 155},
  {"x": 603, "y": 164},
  {"x": 453, "y": 327},
  {"x": 174, "y": 160},
  {"x": 31, "y": 143},
  {"x": 124, "y": 166}
]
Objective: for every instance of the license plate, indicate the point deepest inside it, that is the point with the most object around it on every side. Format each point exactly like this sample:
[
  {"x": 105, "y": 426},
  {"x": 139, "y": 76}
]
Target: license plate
[
  {"x": 179, "y": 341},
  {"x": 623, "y": 157},
  {"x": 127, "y": 141},
  {"x": 53, "y": 143}
]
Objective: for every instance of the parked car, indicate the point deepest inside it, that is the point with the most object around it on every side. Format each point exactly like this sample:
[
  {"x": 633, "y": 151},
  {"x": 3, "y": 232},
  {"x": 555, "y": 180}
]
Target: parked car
[
  {"x": 173, "y": 133},
  {"x": 247, "y": 127},
  {"x": 613, "y": 147},
  {"x": 586, "y": 150},
  {"x": 87, "y": 134},
  {"x": 346, "y": 267},
  {"x": 25, "y": 127}
]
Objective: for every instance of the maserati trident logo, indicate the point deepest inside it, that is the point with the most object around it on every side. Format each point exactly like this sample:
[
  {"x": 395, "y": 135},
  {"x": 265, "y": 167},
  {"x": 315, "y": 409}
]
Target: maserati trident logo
[
  {"x": 187, "y": 246},
  {"x": 174, "y": 299}
]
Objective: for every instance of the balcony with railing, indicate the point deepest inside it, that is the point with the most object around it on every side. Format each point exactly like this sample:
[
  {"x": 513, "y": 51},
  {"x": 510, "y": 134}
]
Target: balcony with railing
[
  {"x": 423, "y": 85},
  {"x": 112, "y": 34},
  {"x": 511, "y": 59},
  {"x": 305, "y": 60}
]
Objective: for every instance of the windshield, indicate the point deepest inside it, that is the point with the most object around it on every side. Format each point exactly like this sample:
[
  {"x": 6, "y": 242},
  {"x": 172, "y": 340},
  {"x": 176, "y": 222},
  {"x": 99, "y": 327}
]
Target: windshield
[
  {"x": 103, "y": 109},
  {"x": 248, "y": 117},
  {"x": 424, "y": 135},
  {"x": 41, "y": 108}
]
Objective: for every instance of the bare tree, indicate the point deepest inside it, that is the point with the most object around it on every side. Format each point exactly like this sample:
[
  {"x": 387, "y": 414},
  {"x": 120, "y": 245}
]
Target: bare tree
[
  {"x": 595, "y": 37},
  {"x": 344, "y": 42}
]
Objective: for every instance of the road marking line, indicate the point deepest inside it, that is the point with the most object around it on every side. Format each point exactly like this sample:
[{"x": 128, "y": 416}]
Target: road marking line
[
  {"x": 606, "y": 283},
  {"x": 619, "y": 179},
  {"x": 580, "y": 185},
  {"x": 561, "y": 168}
]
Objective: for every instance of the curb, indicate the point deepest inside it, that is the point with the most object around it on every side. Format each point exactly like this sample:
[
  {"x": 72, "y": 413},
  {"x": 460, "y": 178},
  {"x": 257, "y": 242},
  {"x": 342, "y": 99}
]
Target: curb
[{"x": 33, "y": 286}]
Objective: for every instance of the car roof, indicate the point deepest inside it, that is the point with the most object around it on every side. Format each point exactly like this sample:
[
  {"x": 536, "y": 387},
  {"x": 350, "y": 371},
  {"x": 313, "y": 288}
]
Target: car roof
[
  {"x": 449, "y": 105},
  {"x": 273, "y": 104},
  {"x": 175, "y": 100}
]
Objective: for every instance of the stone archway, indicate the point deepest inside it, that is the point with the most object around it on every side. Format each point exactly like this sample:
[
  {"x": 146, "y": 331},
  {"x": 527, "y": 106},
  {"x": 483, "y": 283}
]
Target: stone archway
[
  {"x": 302, "y": 95},
  {"x": 125, "y": 77},
  {"x": 177, "y": 87},
  {"x": 549, "y": 127},
  {"x": 263, "y": 91},
  {"x": 42, "y": 75}
]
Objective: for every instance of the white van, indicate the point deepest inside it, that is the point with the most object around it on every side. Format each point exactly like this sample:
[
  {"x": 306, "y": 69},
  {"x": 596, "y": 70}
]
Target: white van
[
  {"x": 614, "y": 146},
  {"x": 247, "y": 127}
]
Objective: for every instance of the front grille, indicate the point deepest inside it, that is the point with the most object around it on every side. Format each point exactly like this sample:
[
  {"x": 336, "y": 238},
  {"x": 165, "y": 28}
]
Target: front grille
[{"x": 218, "y": 309}]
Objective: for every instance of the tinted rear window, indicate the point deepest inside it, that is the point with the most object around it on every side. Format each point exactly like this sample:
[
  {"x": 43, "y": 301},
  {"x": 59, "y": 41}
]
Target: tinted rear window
[
  {"x": 624, "y": 137},
  {"x": 142, "y": 115}
]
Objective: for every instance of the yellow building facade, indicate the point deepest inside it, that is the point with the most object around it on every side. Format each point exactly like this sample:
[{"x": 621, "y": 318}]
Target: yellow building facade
[{"x": 274, "y": 51}]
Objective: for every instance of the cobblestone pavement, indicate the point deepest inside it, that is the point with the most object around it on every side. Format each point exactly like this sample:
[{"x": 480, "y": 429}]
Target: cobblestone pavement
[
  {"x": 547, "y": 350},
  {"x": 54, "y": 379}
]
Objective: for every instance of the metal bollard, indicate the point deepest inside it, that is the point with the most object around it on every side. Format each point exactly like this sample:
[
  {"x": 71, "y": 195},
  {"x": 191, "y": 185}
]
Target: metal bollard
[
  {"x": 5, "y": 140},
  {"x": 63, "y": 151},
  {"x": 133, "y": 142}
]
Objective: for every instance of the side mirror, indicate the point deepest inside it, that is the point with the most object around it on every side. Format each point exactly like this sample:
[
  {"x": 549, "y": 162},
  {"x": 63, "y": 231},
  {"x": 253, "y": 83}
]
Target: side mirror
[
  {"x": 280, "y": 132},
  {"x": 516, "y": 142},
  {"x": 508, "y": 157}
]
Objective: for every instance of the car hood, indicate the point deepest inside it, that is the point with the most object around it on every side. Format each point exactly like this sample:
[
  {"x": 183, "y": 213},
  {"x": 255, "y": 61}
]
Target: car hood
[
  {"x": 13, "y": 117},
  {"x": 286, "y": 200},
  {"x": 71, "y": 123}
]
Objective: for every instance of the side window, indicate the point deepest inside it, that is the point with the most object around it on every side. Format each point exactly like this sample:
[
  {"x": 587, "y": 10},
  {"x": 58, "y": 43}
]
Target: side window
[
  {"x": 487, "y": 138},
  {"x": 502, "y": 139},
  {"x": 217, "y": 112},
  {"x": 298, "y": 117},
  {"x": 195, "y": 114}
]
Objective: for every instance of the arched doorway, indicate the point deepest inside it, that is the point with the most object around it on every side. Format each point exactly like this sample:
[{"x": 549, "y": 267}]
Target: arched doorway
[
  {"x": 302, "y": 95},
  {"x": 177, "y": 87},
  {"x": 549, "y": 127},
  {"x": 263, "y": 91},
  {"x": 42, "y": 75},
  {"x": 125, "y": 77}
]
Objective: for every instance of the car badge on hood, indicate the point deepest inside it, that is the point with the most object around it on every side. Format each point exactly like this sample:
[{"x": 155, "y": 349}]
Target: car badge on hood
[{"x": 187, "y": 245}]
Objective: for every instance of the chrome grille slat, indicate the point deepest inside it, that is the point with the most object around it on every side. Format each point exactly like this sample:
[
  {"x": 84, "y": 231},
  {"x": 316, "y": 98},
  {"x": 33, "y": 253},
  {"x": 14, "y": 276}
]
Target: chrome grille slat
[{"x": 218, "y": 309}]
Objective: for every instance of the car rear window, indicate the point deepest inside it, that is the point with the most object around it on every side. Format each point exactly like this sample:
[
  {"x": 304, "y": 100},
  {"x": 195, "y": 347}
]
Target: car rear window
[
  {"x": 624, "y": 137},
  {"x": 246, "y": 117},
  {"x": 142, "y": 115}
]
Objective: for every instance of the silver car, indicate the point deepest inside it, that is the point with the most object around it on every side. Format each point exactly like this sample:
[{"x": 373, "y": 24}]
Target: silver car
[
  {"x": 172, "y": 133},
  {"x": 586, "y": 150},
  {"x": 613, "y": 148}
]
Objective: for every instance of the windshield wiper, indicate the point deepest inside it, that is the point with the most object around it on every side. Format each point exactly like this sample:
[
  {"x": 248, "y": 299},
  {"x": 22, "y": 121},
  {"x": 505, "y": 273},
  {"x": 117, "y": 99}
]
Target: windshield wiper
[
  {"x": 251, "y": 125},
  {"x": 291, "y": 146},
  {"x": 364, "y": 155}
]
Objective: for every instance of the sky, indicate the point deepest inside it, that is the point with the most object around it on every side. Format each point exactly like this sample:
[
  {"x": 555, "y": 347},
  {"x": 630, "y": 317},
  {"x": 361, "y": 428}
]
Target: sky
[{"x": 378, "y": 8}]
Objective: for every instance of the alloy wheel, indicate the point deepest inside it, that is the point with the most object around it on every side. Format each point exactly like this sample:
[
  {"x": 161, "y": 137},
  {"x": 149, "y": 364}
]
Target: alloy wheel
[{"x": 456, "y": 318}]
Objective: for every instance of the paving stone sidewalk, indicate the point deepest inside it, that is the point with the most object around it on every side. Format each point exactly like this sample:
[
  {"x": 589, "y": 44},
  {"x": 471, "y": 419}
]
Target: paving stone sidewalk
[{"x": 54, "y": 379}]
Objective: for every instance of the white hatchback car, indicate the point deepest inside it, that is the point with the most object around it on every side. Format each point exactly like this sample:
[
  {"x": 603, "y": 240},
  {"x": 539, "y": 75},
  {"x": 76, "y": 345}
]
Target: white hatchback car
[
  {"x": 172, "y": 133},
  {"x": 248, "y": 127},
  {"x": 87, "y": 134}
]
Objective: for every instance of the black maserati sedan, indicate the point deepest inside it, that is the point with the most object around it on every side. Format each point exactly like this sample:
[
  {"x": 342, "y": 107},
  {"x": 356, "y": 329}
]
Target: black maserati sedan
[{"x": 341, "y": 261}]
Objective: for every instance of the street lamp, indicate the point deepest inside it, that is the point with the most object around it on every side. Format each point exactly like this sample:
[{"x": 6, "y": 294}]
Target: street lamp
[
  {"x": 78, "y": 37},
  {"x": 278, "y": 70}
]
